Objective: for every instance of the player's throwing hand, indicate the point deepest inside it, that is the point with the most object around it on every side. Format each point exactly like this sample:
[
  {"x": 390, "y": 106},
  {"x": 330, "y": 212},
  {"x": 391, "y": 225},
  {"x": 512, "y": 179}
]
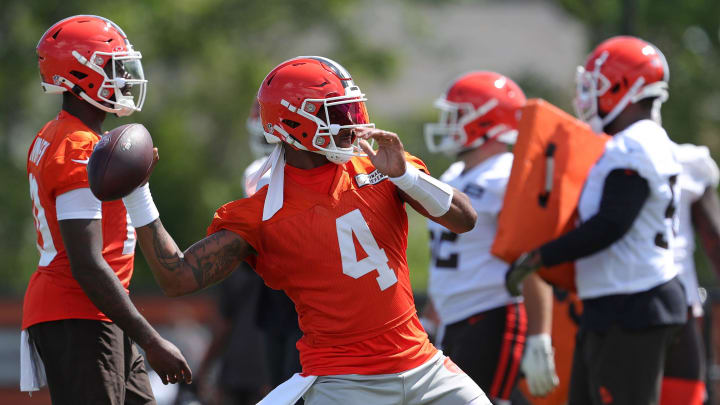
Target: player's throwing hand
[{"x": 389, "y": 159}]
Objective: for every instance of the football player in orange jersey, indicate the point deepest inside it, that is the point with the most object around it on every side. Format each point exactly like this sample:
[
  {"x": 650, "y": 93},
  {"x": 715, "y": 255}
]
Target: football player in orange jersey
[
  {"x": 330, "y": 230},
  {"x": 77, "y": 316}
]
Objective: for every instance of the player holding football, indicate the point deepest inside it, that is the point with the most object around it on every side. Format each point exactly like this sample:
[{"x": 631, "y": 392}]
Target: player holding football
[
  {"x": 77, "y": 315},
  {"x": 633, "y": 301},
  {"x": 485, "y": 327},
  {"x": 331, "y": 231}
]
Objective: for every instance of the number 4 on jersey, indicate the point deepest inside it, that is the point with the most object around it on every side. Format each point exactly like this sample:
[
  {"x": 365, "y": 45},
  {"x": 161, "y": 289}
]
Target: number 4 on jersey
[{"x": 354, "y": 223}]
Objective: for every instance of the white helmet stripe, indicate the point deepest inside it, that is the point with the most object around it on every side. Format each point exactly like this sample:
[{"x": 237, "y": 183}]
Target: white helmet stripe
[{"x": 339, "y": 70}]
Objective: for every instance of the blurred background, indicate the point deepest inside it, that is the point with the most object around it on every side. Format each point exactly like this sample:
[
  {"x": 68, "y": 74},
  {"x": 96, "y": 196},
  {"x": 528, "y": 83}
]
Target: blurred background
[{"x": 204, "y": 60}]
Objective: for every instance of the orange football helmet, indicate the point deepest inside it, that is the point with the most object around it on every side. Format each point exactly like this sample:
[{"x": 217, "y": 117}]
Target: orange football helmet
[
  {"x": 620, "y": 71},
  {"x": 91, "y": 57},
  {"x": 478, "y": 107},
  {"x": 306, "y": 100}
]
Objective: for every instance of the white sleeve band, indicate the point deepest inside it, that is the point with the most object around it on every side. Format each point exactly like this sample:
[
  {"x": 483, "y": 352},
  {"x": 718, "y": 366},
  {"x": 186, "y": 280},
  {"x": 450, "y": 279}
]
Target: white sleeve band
[
  {"x": 78, "y": 204},
  {"x": 434, "y": 195},
  {"x": 140, "y": 206}
]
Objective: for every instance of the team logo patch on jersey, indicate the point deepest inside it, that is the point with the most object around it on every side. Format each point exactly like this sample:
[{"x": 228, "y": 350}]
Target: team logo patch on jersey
[
  {"x": 372, "y": 178},
  {"x": 474, "y": 191}
]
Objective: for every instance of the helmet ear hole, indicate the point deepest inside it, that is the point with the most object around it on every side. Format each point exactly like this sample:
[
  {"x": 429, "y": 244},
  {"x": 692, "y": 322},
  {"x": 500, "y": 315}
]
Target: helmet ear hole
[
  {"x": 79, "y": 75},
  {"x": 292, "y": 124}
]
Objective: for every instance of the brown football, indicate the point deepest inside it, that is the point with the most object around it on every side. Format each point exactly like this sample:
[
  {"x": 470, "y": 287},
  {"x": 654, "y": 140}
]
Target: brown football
[{"x": 120, "y": 162}]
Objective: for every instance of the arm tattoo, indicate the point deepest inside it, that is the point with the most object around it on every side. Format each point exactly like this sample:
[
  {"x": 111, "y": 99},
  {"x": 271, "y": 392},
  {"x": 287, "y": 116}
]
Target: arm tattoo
[
  {"x": 165, "y": 249},
  {"x": 212, "y": 267},
  {"x": 210, "y": 260}
]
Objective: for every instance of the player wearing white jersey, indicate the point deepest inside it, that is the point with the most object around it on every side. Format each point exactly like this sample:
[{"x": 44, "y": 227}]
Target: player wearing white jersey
[
  {"x": 633, "y": 301},
  {"x": 699, "y": 175},
  {"x": 699, "y": 209},
  {"x": 644, "y": 149},
  {"x": 484, "y": 327}
]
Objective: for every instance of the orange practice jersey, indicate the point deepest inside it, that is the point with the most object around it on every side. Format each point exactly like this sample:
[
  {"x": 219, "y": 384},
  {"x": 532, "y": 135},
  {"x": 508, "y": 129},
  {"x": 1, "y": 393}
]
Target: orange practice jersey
[
  {"x": 340, "y": 256},
  {"x": 57, "y": 163}
]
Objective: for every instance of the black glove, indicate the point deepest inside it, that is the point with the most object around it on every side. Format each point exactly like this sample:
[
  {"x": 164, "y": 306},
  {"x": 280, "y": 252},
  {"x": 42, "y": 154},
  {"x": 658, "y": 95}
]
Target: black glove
[{"x": 527, "y": 263}]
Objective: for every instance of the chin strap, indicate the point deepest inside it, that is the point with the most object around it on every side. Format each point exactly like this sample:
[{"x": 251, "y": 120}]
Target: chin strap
[{"x": 274, "y": 198}]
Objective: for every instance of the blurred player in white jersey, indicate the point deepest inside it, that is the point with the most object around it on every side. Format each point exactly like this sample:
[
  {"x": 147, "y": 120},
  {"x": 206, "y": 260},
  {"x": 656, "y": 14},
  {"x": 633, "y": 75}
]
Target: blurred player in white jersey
[
  {"x": 485, "y": 328},
  {"x": 699, "y": 210},
  {"x": 633, "y": 300}
]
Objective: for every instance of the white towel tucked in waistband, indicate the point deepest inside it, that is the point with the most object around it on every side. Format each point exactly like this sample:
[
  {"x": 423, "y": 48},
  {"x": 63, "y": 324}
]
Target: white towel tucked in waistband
[
  {"x": 32, "y": 371},
  {"x": 290, "y": 391}
]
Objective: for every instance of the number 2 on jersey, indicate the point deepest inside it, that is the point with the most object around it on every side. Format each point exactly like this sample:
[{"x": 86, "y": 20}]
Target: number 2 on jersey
[{"x": 351, "y": 224}]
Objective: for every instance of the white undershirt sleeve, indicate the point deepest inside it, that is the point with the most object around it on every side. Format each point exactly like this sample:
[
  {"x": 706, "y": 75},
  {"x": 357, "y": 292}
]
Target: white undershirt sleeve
[{"x": 78, "y": 204}]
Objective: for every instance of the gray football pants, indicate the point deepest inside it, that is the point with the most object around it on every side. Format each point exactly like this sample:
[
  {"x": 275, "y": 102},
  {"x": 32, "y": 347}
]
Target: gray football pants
[{"x": 437, "y": 382}]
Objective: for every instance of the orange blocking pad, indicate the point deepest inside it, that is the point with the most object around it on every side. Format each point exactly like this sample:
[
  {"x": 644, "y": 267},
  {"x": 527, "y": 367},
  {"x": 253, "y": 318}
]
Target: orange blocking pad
[{"x": 553, "y": 156}]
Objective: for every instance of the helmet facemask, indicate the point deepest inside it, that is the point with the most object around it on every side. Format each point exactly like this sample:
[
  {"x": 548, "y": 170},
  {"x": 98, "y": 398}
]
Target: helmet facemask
[
  {"x": 123, "y": 81},
  {"x": 589, "y": 86},
  {"x": 450, "y": 135},
  {"x": 593, "y": 85},
  {"x": 332, "y": 115}
]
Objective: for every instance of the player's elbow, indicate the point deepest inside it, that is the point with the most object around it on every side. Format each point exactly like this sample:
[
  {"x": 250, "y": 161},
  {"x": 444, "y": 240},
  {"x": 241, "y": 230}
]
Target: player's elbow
[
  {"x": 173, "y": 289},
  {"x": 463, "y": 220},
  {"x": 468, "y": 222},
  {"x": 466, "y": 216}
]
